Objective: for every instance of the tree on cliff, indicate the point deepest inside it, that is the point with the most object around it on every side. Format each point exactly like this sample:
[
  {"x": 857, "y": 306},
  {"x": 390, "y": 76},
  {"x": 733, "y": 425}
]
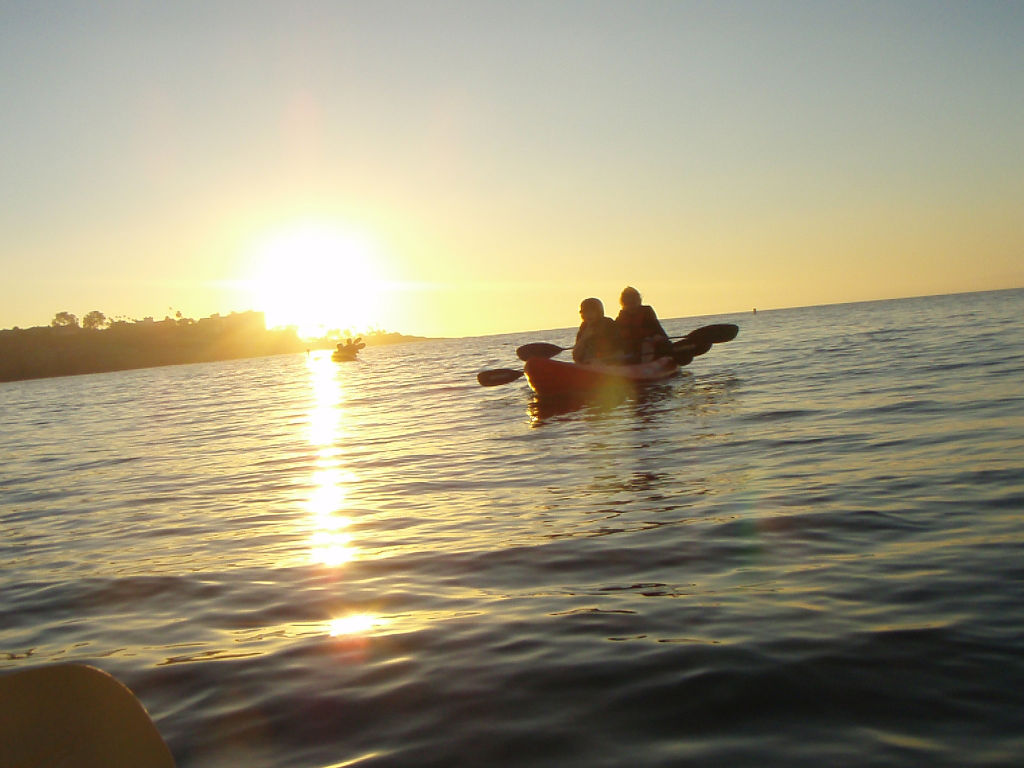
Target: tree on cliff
[
  {"x": 64, "y": 320},
  {"x": 94, "y": 320}
]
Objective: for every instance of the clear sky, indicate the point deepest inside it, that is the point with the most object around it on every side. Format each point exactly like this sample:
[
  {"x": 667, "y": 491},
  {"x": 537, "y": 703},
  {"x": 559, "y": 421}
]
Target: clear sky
[{"x": 473, "y": 167}]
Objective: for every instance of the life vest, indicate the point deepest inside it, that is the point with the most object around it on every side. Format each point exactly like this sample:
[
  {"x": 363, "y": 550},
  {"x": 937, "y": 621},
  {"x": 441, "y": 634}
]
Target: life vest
[
  {"x": 602, "y": 343},
  {"x": 638, "y": 323}
]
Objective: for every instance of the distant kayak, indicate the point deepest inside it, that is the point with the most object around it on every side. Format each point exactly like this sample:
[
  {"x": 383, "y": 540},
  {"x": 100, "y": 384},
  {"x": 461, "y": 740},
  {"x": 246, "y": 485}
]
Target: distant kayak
[
  {"x": 553, "y": 378},
  {"x": 347, "y": 351}
]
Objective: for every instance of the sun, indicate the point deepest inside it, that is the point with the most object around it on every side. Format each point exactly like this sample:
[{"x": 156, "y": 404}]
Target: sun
[{"x": 317, "y": 278}]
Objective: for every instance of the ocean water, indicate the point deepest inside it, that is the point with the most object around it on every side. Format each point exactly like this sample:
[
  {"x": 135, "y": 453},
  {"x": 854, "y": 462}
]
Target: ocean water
[{"x": 806, "y": 549}]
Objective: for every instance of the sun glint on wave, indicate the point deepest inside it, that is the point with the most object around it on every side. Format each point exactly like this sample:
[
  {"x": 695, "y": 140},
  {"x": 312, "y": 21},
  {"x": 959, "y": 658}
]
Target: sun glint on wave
[{"x": 317, "y": 278}]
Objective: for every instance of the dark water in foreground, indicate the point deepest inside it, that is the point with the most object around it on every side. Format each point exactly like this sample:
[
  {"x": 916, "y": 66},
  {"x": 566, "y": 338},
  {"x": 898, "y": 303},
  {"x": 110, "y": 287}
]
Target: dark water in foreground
[{"x": 805, "y": 550}]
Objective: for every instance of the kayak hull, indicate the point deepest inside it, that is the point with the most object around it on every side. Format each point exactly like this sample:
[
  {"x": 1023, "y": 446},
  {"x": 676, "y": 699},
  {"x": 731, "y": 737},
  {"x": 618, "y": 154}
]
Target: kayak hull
[{"x": 553, "y": 378}]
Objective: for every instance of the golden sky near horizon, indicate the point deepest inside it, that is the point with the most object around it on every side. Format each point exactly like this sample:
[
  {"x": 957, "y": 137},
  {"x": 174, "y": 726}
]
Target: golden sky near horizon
[{"x": 465, "y": 168}]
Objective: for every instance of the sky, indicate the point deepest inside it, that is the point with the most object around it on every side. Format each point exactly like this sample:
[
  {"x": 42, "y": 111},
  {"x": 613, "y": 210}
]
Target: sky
[{"x": 460, "y": 168}]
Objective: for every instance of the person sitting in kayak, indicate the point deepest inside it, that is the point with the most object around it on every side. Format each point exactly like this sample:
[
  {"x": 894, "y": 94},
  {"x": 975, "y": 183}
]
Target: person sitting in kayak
[
  {"x": 643, "y": 338},
  {"x": 598, "y": 339}
]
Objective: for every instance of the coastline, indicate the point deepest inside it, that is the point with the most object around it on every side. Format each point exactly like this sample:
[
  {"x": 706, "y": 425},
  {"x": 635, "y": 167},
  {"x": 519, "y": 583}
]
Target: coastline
[{"x": 48, "y": 351}]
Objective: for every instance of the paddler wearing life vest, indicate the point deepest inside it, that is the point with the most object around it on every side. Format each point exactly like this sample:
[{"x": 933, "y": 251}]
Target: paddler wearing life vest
[
  {"x": 598, "y": 339},
  {"x": 643, "y": 338}
]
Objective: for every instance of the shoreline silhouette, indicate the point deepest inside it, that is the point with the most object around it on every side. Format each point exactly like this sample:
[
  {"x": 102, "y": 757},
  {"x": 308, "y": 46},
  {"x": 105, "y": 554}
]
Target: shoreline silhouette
[{"x": 66, "y": 348}]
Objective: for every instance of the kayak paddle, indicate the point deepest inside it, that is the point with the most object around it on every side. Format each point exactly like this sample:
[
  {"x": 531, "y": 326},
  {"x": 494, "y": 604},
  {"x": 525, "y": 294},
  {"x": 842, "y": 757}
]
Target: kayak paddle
[
  {"x": 706, "y": 335},
  {"x": 539, "y": 349},
  {"x": 682, "y": 355},
  {"x": 496, "y": 376},
  {"x": 684, "y": 347}
]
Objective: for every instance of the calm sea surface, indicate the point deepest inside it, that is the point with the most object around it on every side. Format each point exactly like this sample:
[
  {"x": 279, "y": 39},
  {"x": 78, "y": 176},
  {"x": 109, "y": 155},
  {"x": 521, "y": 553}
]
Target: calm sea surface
[{"x": 807, "y": 549}]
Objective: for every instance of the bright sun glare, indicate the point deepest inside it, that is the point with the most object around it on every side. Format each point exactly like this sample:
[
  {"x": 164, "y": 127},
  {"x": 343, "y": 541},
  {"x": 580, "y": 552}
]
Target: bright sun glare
[{"x": 317, "y": 278}]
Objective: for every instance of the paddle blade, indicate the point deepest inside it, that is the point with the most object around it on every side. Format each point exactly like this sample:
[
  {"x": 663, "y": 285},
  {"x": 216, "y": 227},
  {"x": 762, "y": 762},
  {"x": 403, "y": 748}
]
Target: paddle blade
[
  {"x": 683, "y": 355},
  {"x": 684, "y": 351},
  {"x": 713, "y": 334},
  {"x": 497, "y": 376},
  {"x": 538, "y": 349}
]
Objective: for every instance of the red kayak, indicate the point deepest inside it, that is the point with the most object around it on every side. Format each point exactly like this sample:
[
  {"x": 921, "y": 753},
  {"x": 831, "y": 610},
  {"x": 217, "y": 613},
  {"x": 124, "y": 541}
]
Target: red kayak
[{"x": 555, "y": 378}]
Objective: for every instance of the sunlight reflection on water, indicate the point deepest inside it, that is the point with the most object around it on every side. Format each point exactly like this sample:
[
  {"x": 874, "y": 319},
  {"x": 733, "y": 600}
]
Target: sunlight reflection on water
[
  {"x": 355, "y": 624},
  {"x": 330, "y": 544}
]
